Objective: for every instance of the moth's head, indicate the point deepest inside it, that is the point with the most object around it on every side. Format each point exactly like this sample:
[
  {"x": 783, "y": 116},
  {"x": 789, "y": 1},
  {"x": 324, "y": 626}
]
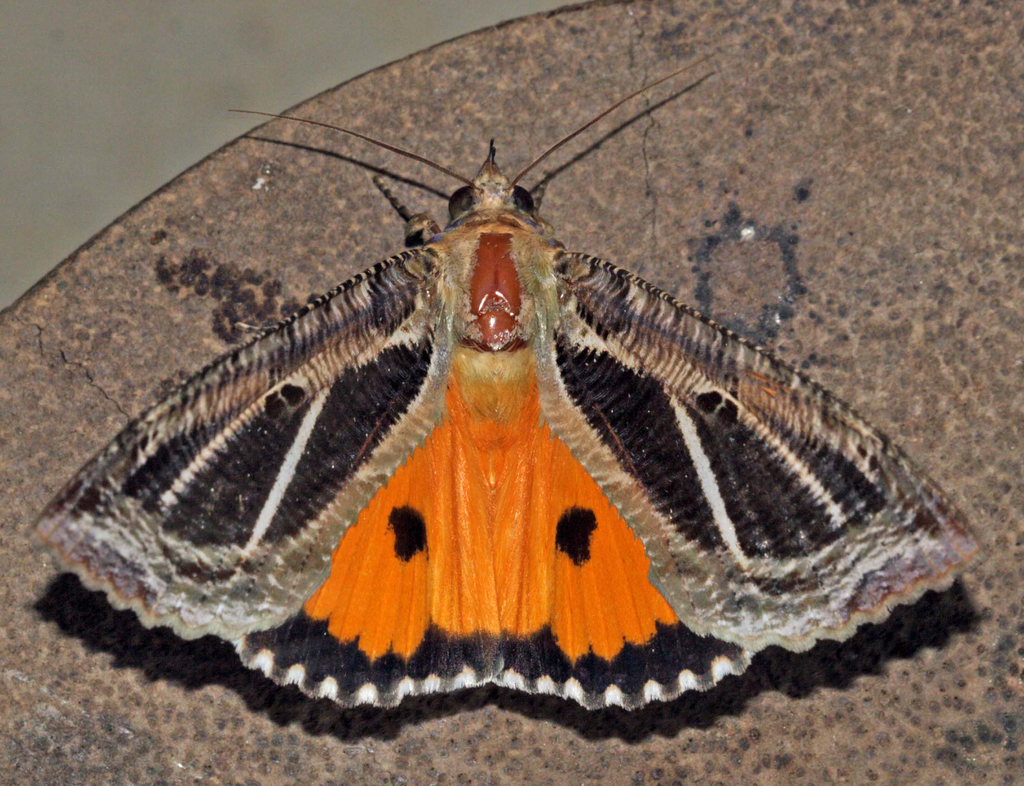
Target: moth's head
[{"x": 491, "y": 191}]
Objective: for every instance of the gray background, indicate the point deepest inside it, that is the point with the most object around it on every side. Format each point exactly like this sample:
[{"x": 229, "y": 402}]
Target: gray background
[{"x": 101, "y": 106}]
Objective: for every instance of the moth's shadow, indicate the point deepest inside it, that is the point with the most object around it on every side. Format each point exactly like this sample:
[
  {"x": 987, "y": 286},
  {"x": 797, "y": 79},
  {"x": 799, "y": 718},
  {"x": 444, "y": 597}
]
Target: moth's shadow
[{"x": 161, "y": 655}]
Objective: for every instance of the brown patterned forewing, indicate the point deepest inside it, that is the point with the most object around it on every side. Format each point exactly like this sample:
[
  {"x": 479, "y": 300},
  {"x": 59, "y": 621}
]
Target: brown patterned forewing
[
  {"x": 217, "y": 510},
  {"x": 772, "y": 513}
]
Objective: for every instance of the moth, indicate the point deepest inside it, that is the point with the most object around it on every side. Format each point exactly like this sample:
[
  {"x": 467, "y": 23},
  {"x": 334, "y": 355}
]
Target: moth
[{"x": 490, "y": 459}]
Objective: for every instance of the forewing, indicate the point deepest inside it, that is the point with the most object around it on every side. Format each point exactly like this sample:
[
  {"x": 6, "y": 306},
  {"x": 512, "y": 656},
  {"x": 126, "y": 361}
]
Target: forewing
[
  {"x": 217, "y": 510},
  {"x": 771, "y": 512}
]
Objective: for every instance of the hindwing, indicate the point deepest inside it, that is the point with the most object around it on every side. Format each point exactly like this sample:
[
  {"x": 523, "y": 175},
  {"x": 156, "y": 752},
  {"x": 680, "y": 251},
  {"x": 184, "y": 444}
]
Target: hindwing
[{"x": 490, "y": 556}]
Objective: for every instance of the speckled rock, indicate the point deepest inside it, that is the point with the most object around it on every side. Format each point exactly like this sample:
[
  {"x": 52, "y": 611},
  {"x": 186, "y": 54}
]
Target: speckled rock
[{"x": 847, "y": 188}]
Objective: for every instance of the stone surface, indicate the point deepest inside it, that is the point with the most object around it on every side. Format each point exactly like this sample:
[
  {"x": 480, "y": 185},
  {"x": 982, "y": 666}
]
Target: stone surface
[{"x": 860, "y": 170}]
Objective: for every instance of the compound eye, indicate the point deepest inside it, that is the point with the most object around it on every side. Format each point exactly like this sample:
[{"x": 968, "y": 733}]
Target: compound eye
[
  {"x": 461, "y": 202},
  {"x": 522, "y": 200}
]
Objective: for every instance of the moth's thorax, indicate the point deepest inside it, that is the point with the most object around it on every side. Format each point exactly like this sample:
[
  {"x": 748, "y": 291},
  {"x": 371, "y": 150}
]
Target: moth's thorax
[{"x": 495, "y": 386}]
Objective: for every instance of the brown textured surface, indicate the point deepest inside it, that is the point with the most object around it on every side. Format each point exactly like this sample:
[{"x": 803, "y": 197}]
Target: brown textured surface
[{"x": 877, "y": 154}]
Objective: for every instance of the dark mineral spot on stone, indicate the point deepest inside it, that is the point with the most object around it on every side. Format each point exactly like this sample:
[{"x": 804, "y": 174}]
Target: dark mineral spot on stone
[
  {"x": 751, "y": 267},
  {"x": 165, "y": 273},
  {"x": 246, "y": 298}
]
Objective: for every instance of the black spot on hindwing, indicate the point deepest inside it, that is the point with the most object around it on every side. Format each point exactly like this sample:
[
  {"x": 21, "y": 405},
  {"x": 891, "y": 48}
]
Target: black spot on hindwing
[
  {"x": 572, "y": 534},
  {"x": 410, "y": 532}
]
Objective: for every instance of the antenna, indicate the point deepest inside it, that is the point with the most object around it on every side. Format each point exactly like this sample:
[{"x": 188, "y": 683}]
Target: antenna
[
  {"x": 607, "y": 111},
  {"x": 457, "y": 176},
  {"x": 364, "y": 137}
]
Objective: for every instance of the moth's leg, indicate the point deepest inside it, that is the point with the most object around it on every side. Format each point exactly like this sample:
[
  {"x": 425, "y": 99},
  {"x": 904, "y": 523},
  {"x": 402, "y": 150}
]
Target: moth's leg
[{"x": 419, "y": 227}]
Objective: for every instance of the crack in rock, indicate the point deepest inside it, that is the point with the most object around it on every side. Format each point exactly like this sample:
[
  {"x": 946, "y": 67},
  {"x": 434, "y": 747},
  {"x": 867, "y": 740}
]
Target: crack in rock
[
  {"x": 68, "y": 362},
  {"x": 91, "y": 380}
]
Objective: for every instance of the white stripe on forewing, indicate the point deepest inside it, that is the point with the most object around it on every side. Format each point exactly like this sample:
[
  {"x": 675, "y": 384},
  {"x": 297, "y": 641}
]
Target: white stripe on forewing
[
  {"x": 709, "y": 484},
  {"x": 287, "y": 472}
]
